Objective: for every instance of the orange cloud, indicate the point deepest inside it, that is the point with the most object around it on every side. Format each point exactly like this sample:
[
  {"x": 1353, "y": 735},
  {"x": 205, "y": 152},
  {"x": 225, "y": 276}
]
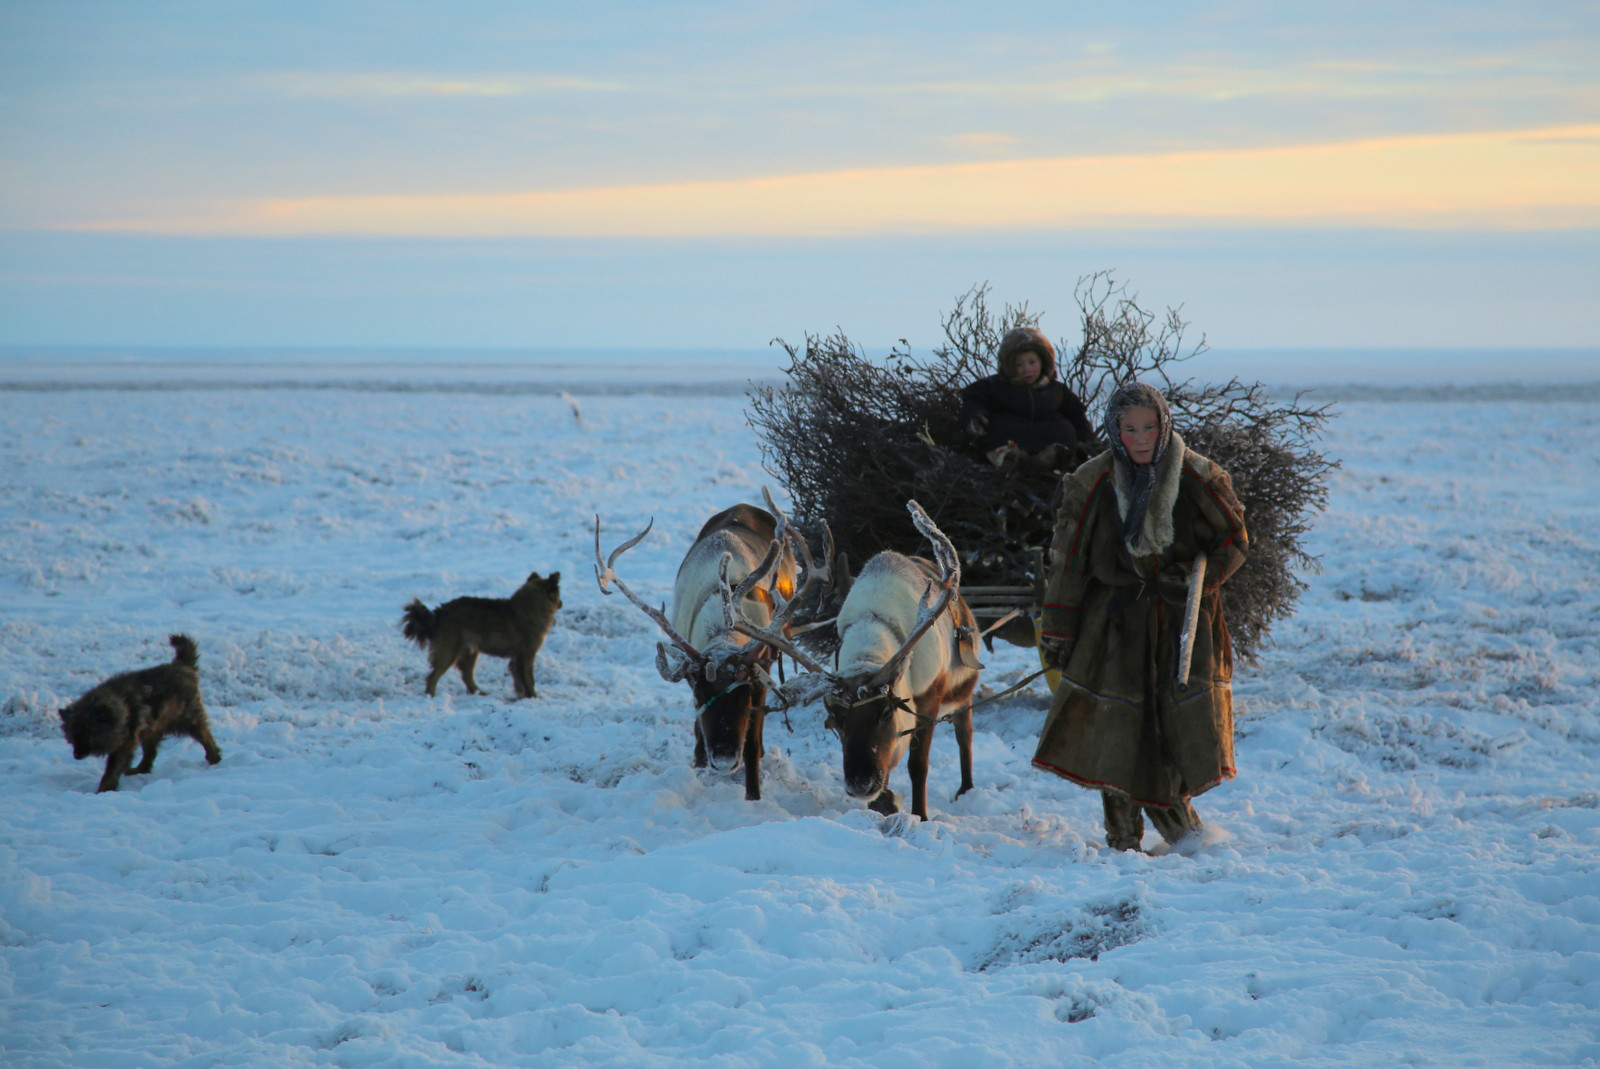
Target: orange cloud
[{"x": 1531, "y": 179}]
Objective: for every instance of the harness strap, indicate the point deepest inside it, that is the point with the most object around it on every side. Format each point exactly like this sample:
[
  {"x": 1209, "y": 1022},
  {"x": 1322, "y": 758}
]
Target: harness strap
[
  {"x": 991, "y": 698},
  {"x": 732, "y": 686}
]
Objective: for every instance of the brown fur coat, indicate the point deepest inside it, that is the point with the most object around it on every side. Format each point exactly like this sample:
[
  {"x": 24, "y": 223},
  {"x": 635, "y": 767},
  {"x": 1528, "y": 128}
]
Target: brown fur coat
[{"x": 1118, "y": 721}]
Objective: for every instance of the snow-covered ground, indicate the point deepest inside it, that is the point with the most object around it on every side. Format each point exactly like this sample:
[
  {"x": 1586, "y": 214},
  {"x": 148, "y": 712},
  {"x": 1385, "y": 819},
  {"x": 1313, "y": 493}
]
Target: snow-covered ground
[{"x": 1406, "y": 871}]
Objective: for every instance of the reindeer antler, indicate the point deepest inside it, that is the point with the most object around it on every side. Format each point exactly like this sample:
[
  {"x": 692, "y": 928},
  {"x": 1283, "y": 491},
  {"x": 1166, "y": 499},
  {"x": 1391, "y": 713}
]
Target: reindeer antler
[
  {"x": 803, "y": 689},
  {"x": 748, "y": 583},
  {"x": 733, "y": 613},
  {"x": 813, "y": 571},
  {"x": 605, "y": 575},
  {"x": 733, "y": 598},
  {"x": 944, "y": 552}
]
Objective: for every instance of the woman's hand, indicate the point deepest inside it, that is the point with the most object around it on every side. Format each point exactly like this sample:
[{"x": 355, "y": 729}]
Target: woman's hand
[
  {"x": 1053, "y": 652},
  {"x": 1173, "y": 581}
]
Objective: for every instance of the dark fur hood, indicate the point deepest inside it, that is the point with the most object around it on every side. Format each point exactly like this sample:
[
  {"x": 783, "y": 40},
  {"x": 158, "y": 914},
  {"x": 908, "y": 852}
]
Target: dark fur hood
[{"x": 1018, "y": 341}]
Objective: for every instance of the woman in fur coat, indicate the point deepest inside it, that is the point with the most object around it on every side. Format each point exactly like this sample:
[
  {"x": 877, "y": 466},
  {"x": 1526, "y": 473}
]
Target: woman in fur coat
[
  {"x": 1022, "y": 415},
  {"x": 1128, "y": 528}
]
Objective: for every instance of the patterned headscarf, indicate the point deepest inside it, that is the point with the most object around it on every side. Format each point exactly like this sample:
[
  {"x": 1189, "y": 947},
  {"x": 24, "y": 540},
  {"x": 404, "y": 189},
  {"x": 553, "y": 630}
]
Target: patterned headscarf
[{"x": 1141, "y": 477}]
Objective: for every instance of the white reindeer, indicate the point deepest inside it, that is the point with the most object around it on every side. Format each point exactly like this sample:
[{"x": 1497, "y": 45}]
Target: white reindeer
[{"x": 908, "y": 657}]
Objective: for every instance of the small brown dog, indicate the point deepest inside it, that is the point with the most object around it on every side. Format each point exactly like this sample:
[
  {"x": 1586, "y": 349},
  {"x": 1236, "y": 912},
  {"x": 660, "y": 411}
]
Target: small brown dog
[
  {"x": 140, "y": 709},
  {"x": 457, "y": 631}
]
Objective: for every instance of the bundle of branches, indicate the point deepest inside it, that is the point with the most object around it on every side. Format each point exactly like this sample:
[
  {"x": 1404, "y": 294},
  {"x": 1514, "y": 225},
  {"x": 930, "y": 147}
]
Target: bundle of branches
[{"x": 852, "y": 439}]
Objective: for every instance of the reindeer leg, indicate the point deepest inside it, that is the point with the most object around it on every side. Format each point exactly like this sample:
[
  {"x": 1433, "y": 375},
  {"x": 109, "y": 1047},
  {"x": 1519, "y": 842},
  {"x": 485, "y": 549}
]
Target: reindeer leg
[
  {"x": 752, "y": 757},
  {"x": 927, "y": 707},
  {"x": 963, "y": 722},
  {"x": 917, "y": 765}
]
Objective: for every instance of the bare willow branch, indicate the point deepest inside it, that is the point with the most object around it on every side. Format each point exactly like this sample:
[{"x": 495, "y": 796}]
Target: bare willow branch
[{"x": 851, "y": 439}]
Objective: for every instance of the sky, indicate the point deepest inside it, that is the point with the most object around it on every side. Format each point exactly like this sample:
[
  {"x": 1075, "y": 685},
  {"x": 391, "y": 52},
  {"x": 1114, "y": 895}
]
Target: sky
[{"x": 714, "y": 175}]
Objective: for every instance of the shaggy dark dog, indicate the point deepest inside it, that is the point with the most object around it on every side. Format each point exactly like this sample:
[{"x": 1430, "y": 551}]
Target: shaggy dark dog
[
  {"x": 140, "y": 709},
  {"x": 457, "y": 631}
]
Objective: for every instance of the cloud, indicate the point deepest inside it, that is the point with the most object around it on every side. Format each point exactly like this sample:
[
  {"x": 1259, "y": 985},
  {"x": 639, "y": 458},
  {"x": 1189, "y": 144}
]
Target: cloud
[
  {"x": 1507, "y": 180},
  {"x": 982, "y": 142},
  {"x": 389, "y": 84},
  {"x": 1102, "y": 78}
]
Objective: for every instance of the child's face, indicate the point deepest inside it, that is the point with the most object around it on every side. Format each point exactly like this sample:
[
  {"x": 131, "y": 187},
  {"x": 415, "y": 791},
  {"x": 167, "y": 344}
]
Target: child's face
[
  {"x": 1028, "y": 367},
  {"x": 1139, "y": 428}
]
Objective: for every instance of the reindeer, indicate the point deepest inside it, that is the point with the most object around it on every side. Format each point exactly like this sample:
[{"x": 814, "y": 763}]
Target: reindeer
[
  {"x": 908, "y": 647},
  {"x": 726, "y": 670}
]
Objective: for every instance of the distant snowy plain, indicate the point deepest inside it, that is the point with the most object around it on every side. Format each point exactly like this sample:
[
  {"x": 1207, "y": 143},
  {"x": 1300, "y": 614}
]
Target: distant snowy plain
[{"x": 1405, "y": 872}]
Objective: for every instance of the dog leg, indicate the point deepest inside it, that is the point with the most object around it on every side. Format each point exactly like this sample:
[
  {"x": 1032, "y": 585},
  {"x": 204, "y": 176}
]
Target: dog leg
[
  {"x": 150, "y": 746},
  {"x": 527, "y": 669},
  {"x": 436, "y": 674},
  {"x": 160, "y": 724},
  {"x": 116, "y": 764},
  {"x": 200, "y": 732},
  {"x": 465, "y": 664},
  {"x": 172, "y": 716},
  {"x": 438, "y": 665},
  {"x": 519, "y": 678}
]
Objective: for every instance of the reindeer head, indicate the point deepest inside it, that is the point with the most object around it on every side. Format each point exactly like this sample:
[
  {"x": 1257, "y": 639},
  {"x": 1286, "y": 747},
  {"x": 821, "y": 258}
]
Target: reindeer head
[
  {"x": 728, "y": 692},
  {"x": 871, "y": 722}
]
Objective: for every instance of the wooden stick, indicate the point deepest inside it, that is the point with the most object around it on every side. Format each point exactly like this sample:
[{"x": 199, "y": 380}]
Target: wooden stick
[{"x": 1191, "y": 618}]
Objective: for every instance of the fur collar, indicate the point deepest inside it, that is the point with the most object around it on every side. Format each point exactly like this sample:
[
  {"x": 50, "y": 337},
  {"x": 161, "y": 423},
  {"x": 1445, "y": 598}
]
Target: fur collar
[{"x": 1156, "y": 534}]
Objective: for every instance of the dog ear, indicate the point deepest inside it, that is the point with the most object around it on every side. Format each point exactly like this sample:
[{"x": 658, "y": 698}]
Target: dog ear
[{"x": 554, "y": 582}]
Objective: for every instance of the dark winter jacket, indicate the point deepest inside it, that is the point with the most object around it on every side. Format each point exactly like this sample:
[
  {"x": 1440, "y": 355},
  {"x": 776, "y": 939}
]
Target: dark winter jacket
[
  {"x": 1046, "y": 413},
  {"x": 1118, "y": 721}
]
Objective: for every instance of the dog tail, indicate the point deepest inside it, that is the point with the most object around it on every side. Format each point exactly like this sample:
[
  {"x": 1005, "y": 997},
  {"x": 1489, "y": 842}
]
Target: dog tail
[
  {"x": 184, "y": 650},
  {"x": 419, "y": 624}
]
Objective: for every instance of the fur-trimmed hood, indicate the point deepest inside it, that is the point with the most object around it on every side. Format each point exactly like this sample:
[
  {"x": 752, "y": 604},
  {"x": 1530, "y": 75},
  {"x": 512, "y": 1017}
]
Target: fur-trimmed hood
[{"x": 1020, "y": 340}]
